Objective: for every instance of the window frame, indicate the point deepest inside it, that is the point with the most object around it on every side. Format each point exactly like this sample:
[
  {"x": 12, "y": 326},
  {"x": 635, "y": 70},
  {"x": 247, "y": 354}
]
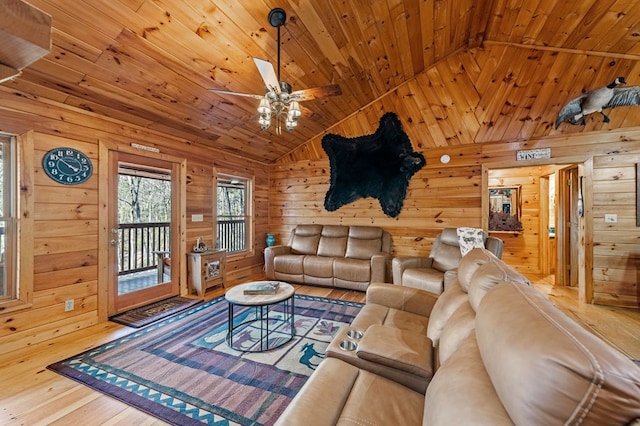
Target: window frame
[
  {"x": 20, "y": 260},
  {"x": 249, "y": 210}
]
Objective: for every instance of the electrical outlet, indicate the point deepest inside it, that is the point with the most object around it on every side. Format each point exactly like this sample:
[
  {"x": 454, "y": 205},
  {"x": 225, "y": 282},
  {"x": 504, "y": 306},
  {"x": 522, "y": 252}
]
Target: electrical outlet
[
  {"x": 68, "y": 305},
  {"x": 610, "y": 218}
]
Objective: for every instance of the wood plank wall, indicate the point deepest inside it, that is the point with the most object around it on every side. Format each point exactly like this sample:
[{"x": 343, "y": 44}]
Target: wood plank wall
[
  {"x": 616, "y": 246},
  {"x": 65, "y": 219},
  {"x": 499, "y": 99}
]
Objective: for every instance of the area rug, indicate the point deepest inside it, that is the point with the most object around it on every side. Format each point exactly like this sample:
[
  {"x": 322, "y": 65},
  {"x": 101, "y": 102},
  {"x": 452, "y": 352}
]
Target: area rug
[
  {"x": 145, "y": 315},
  {"x": 182, "y": 371}
]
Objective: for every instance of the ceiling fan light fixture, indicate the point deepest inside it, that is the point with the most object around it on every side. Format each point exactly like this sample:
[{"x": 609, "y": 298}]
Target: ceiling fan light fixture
[
  {"x": 279, "y": 101},
  {"x": 265, "y": 107},
  {"x": 294, "y": 109},
  {"x": 291, "y": 124},
  {"x": 265, "y": 122}
]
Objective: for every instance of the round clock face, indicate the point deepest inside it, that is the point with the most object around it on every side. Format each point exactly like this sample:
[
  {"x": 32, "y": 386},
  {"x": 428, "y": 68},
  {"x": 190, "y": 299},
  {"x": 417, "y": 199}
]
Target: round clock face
[{"x": 67, "y": 166}]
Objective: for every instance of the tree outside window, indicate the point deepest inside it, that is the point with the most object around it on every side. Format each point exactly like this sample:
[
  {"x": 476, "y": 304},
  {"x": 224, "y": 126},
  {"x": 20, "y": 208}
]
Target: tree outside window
[
  {"x": 232, "y": 213},
  {"x": 8, "y": 287}
]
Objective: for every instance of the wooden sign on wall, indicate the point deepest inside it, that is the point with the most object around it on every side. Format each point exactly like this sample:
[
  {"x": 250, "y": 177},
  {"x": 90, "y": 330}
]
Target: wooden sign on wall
[{"x": 533, "y": 154}]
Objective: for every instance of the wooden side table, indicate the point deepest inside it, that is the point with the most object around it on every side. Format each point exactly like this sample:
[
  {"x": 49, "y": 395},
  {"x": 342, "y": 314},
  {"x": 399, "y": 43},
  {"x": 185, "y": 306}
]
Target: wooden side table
[{"x": 206, "y": 270}]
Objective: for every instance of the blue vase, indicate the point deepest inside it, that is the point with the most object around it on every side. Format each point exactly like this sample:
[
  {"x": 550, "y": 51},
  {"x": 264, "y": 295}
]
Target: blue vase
[{"x": 271, "y": 240}]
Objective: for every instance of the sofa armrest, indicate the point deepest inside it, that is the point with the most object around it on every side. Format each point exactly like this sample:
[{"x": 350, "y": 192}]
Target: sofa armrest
[
  {"x": 407, "y": 299},
  {"x": 379, "y": 267},
  {"x": 399, "y": 264},
  {"x": 269, "y": 255}
]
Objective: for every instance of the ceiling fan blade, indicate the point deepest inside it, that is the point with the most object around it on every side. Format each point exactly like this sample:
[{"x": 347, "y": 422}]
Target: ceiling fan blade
[
  {"x": 268, "y": 74},
  {"x": 309, "y": 114},
  {"x": 247, "y": 95},
  {"x": 316, "y": 93}
]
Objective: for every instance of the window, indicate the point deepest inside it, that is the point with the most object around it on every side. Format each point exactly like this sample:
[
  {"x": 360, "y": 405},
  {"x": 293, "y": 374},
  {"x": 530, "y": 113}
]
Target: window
[
  {"x": 7, "y": 219},
  {"x": 233, "y": 213}
]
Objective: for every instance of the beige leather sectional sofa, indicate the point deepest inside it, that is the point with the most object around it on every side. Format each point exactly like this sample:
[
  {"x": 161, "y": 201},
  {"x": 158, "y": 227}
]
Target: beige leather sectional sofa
[
  {"x": 490, "y": 350},
  {"x": 348, "y": 257}
]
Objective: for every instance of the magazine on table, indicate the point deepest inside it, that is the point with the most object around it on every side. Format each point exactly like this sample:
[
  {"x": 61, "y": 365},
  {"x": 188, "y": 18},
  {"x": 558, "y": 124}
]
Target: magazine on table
[{"x": 262, "y": 288}]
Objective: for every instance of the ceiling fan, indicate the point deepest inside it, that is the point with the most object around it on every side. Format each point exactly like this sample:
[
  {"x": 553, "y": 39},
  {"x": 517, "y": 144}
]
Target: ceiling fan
[{"x": 279, "y": 101}]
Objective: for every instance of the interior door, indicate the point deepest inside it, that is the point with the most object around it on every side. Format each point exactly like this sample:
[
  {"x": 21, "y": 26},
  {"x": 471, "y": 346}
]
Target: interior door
[
  {"x": 144, "y": 260},
  {"x": 568, "y": 227}
]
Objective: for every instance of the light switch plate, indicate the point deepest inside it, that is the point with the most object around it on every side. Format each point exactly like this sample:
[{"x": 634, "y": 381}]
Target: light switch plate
[
  {"x": 610, "y": 218},
  {"x": 197, "y": 218},
  {"x": 68, "y": 305}
]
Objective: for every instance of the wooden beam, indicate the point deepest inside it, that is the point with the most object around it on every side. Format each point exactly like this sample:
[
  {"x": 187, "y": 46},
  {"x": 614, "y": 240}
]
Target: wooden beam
[{"x": 25, "y": 33}]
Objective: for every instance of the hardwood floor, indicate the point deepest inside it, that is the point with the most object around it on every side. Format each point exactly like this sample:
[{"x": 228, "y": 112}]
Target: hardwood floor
[{"x": 32, "y": 395}]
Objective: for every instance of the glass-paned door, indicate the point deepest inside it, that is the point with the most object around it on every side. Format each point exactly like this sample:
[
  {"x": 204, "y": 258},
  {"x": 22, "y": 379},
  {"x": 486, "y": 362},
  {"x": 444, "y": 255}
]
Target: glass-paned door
[{"x": 142, "y": 213}]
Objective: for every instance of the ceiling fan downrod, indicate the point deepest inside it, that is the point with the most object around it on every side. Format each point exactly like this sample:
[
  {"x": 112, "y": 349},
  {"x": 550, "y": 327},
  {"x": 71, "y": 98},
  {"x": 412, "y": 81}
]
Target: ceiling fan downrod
[
  {"x": 277, "y": 17},
  {"x": 278, "y": 103}
]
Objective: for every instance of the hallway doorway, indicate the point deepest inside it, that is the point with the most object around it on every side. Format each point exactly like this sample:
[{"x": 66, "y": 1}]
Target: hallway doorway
[{"x": 551, "y": 202}]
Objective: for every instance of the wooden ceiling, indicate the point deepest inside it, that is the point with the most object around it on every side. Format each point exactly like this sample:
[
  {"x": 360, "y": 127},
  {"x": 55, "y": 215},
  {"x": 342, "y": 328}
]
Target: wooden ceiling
[{"x": 150, "y": 62}]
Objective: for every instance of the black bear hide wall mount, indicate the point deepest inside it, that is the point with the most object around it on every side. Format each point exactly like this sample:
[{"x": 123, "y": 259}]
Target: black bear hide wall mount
[{"x": 378, "y": 165}]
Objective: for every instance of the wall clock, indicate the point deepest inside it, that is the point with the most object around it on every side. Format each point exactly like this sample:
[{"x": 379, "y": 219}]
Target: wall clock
[{"x": 67, "y": 166}]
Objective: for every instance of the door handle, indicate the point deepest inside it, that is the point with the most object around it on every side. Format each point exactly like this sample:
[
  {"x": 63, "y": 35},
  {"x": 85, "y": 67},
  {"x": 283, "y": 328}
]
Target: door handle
[{"x": 113, "y": 242}]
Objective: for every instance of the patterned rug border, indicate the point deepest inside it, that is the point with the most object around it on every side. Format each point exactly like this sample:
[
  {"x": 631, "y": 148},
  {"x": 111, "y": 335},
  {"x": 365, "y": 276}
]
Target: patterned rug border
[{"x": 156, "y": 403}]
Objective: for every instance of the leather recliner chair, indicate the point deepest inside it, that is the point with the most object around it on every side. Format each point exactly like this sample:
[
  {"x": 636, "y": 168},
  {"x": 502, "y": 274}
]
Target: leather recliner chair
[{"x": 429, "y": 273}]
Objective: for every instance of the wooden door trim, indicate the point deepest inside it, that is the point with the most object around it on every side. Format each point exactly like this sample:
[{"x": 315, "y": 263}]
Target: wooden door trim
[
  {"x": 543, "y": 231},
  {"x": 108, "y": 170}
]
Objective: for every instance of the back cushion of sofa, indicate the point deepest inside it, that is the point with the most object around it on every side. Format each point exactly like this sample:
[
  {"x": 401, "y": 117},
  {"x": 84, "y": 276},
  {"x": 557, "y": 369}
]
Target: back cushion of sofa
[
  {"x": 456, "y": 330},
  {"x": 445, "y": 251},
  {"x": 448, "y": 302},
  {"x": 333, "y": 241},
  {"x": 470, "y": 263},
  {"x": 364, "y": 242},
  {"x": 305, "y": 239},
  {"x": 488, "y": 276},
  {"x": 461, "y": 392},
  {"x": 546, "y": 368}
]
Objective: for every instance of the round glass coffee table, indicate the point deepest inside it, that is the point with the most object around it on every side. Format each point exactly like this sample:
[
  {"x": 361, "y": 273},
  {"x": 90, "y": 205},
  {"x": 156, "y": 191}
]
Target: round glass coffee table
[{"x": 251, "y": 328}]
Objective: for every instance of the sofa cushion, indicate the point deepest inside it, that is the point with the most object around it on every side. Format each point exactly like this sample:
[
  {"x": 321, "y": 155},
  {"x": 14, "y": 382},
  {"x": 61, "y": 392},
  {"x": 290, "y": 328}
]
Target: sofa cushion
[
  {"x": 364, "y": 242},
  {"x": 289, "y": 264},
  {"x": 318, "y": 266},
  {"x": 424, "y": 279},
  {"x": 490, "y": 274},
  {"x": 399, "y": 297},
  {"x": 470, "y": 263},
  {"x": 448, "y": 302},
  {"x": 340, "y": 393},
  {"x": 305, "y": 239},
  {"x": 446, "y": 250},
  {"x": 333, "y": 241},
  {"x": 352, "y": 269},
  {"x": 461, "y": 393},
  {"x": 396, "y": 348},
  {"x": 459, "y": 326},
  {"x": 546, "y": 368},
  {"x": 372, "y": 313}
]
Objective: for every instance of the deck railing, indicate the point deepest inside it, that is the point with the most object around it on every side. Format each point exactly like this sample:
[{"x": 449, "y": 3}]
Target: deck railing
[
  {"x": 138, "y": 243},
  {"x": 232, "y": 234}
]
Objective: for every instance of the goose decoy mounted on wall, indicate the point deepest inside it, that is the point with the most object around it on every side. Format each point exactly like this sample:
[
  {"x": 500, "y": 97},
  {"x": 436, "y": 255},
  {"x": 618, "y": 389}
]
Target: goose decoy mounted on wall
[{"x": 596, "y": 100}]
